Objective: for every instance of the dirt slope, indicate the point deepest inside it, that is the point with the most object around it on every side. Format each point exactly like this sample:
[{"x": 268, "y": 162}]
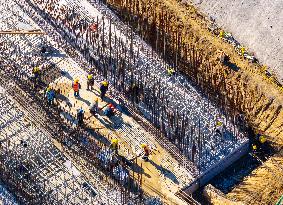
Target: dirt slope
[
  {"x": 257, "y": 24},
  {"x": 248, "y": 89}
]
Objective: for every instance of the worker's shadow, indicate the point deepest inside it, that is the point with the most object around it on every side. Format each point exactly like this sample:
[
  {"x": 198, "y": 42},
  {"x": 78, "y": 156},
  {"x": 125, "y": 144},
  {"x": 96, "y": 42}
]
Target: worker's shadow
[
  {"x": 84, "y": 100},
  {"x": 61, "y": 97},
  {"x": 96, "y": 135},
  {"x": 233, "y": 66},
  {"x": 167, "y": 173},
  {"x": 138, "y": 169},
  {"x": 67, "y": 75},
  {"x": 106, "y": 123}
]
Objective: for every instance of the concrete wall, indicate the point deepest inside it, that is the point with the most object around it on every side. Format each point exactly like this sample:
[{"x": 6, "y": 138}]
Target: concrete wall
[
  {"x": 204, "y": 178},
  {"x": 257, "y": 24}
]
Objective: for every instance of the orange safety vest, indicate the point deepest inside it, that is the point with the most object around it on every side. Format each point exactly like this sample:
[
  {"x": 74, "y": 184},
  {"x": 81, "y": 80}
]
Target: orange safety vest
[
  {"x": 76, "y": 87},
  {"x": 146, "y": 151}
]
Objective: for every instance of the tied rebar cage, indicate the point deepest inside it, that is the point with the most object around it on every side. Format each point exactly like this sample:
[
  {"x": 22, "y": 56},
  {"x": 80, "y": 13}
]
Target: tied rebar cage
[
  {"x": 16, "y": 69},
  {"x": 187, "y": 120}
]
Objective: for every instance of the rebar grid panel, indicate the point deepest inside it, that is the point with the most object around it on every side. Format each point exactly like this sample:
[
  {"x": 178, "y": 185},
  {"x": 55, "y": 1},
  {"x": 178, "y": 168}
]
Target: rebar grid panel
[
  {"x": 24, "y": 76},
  {"x": 39, "y": 167},
  {"x": 76, "y": 145},
  {"x": 174, "y": 113},
  {"x": 141, "y": 137}
]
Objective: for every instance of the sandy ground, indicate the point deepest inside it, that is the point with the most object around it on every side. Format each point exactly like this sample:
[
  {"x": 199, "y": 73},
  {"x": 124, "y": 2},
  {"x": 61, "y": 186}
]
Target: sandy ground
[{"x": 257, "y": 24}]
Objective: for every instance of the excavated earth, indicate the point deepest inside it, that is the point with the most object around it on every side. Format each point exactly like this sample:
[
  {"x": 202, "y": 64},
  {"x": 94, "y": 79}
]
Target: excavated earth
[{"x": 249, "y": 88}]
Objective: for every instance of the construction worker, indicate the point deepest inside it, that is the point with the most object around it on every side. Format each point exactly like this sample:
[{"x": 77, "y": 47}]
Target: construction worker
[
  {"x": 76, "y": 86},
  {"x": 110, "y": 110},
  {"x": 221, "y": 34},
  {"x": 134, "y": 92},
  {"x": 50, "y": 95},
  {"x": 146, "y": 152},
  {"x": 80, "y": 116},
  {"x": 90, "y": 82},
  {"x": 254, "y": 150},
  {"x": 103, "y": 89},
  {"x": 114, "y": 145},
  {"x": 260, "y": 137},
  {"x": 93, "y": 108},
  {"x": 219, "y": 130},
  {"x": 170, "y": 71},
  {"x": 36, "y": 74}
]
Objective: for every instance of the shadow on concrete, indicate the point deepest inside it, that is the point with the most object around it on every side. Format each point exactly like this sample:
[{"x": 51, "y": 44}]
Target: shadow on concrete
[
  {"x": 67, "y": 75},
  {"x": 98, "y": 136},
  {"x": 138, "y": 169},
  {"x": 64, "y": 98},
  {"x": 167, "y": 173},
  {"x": 83, "y": 100},
  {"x": 105, "y": 122}
]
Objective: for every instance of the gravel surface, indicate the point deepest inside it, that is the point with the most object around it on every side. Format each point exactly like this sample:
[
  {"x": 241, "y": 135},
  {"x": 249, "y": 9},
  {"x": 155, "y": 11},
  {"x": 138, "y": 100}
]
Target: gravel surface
[{"x": 257, "y": 24}]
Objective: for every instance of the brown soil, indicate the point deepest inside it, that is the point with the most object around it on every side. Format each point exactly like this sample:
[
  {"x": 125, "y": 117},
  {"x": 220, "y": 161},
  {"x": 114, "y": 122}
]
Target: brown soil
[{"x": 248, "y": 89}]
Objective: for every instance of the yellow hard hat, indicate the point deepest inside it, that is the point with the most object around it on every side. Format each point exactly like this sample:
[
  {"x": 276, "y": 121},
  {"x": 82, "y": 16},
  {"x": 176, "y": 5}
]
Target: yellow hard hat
[
  {"x": 49, "y": 88},
  {"x": 89, "y": 76},
  {"x": 36, "y": 68},
  {"x": 76, "y": 80},
  {"x": 219, "y": 123},
  {"x": 262, "y": 139},
  {"x": 105, "y": 83},
  {"x": 254, "y": 147},
  {"x": 143, "y": 145},
  {"x": 114, "y": 141}
]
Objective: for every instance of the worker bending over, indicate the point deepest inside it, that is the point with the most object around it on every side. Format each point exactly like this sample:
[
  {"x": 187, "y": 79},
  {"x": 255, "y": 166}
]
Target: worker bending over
[
  {"x": 76, "y": 86},
  {"x": 90, "y": 82},
  {"x": 103, "y": 89},
  {"x": 146, "y": 151},
  {"x": 110, "y": 110}
]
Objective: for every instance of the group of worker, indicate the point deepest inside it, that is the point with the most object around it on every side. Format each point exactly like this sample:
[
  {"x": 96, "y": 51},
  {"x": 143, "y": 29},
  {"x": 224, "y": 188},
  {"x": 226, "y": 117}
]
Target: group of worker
[
  {"x": 90, "y": 83},
  {"x": 114, "y": 147}
]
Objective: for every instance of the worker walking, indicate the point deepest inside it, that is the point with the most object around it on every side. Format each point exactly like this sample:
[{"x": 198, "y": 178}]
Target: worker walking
[
  {"x": 219, "y": 130},
  {"x": 90, "y": 82},
  {"x": 146, "y": 152},
  {"x": 80, "y": 116},
  {"x": 50, "y": 95},
  {"x": 103, "y": 89},
  {"x": 36, "y": 75},
  {"x": 76, "y": 86},
  {"x": 114, "y": 146}
]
